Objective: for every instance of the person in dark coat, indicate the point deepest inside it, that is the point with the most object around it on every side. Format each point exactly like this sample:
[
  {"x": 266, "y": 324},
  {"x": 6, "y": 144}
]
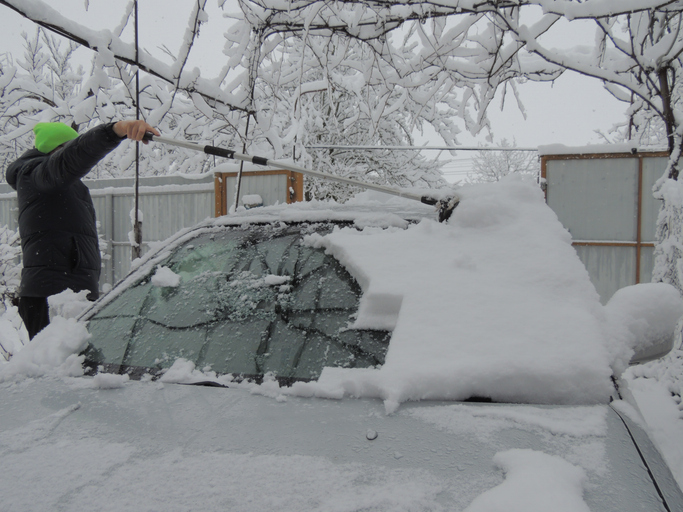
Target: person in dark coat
[{"x": 57, "y": 222}]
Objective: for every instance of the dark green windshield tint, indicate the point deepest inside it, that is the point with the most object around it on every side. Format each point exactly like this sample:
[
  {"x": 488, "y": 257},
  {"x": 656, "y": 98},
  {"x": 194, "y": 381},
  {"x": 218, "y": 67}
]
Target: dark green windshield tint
[{"x": 250, "y": 301}]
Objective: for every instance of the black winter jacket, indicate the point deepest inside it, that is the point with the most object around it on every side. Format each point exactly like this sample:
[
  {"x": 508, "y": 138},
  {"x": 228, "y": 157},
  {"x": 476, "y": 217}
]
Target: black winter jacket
[{"x": 57, "y": 217}]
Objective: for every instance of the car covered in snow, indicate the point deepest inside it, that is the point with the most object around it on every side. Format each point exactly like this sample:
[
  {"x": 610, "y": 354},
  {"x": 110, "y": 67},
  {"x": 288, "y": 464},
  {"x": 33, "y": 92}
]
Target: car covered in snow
[{"x": 346, "y": 357}]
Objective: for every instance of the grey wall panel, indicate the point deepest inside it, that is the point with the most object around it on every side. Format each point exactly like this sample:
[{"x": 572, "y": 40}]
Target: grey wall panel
[
  {"x": 8, "y": 210},
  {"x": 595, "y": 199},
  {"x": 163, "y": 214},
  {"x": 610, "y": 268},
  {"x": 647, "y": 263},
  {"x": 121, "y": 257}
]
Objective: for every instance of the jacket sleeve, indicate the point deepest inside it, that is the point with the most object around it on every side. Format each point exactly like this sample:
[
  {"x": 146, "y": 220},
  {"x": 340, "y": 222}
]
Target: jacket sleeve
[{"x": 75, "y": 159}]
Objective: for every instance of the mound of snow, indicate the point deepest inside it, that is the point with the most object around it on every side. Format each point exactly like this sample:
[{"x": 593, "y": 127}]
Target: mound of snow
[
  {"x": 13, "y": 336},
  {"x": 534, "y": 482},
  {"x": 495, "y": 304},
  {"x": 68, "y": 304},
  {"x": 165, "y": 277},
  {"x": 53, "y": 351},
  {"x": 641, "y": 318}
]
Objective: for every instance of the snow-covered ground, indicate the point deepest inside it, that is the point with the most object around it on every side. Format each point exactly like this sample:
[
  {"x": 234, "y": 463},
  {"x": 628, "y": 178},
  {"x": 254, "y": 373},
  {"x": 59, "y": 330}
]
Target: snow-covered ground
[
  {"x": 496, "y": 304},
  {"x": 657, "y": 388}
]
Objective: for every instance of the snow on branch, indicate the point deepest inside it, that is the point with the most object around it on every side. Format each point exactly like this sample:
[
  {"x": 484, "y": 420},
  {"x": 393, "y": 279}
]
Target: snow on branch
[
  {"x": 377, "y": 16},
  {"x": 479, "y": 48},
  {"x": 103, "y": 41}
]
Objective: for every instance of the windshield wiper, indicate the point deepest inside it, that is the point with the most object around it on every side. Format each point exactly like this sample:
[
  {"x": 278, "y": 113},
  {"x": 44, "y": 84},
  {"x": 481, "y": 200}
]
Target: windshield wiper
[{"x": 208, "y": 383}]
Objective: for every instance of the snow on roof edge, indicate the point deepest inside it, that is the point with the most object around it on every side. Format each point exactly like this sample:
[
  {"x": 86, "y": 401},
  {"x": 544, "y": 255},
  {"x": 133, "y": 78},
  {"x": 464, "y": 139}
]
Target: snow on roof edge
[{"x": 627, "y": 147}]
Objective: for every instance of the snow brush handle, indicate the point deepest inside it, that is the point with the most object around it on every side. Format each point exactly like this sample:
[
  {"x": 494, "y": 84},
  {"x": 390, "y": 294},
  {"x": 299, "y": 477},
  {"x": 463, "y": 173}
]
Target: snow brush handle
[{"x": 445, "y": 206}]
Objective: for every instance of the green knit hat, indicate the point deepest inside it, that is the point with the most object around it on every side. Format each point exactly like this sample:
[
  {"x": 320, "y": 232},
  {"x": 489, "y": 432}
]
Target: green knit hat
[{"x": 51, "y": 135}]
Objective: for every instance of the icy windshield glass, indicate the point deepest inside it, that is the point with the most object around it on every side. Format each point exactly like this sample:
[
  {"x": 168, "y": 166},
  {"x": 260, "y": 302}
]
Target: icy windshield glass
[{"x": 239, "y": 301}]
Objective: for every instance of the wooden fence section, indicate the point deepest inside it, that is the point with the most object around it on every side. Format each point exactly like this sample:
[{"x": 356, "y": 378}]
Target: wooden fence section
[{"x": 272, "y": 185}]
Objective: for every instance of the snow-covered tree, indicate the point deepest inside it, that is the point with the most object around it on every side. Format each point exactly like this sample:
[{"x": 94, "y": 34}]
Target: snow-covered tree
[
  {"x": 43, "y": 86},
  {"x": 10, "y": 265},
  {"x": 248, "y": 108},
  {"x": 42, "y": 79},
  {"x": 491, "y": 165},
  {"x": 485, "y": 47},
  {"x": 305, "y": 109},
  {"x": 12, "y": 334}
]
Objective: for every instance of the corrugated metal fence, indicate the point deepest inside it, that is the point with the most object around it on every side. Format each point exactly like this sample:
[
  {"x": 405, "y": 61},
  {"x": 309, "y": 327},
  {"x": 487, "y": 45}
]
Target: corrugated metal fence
[{"x": 168, "y": 204}]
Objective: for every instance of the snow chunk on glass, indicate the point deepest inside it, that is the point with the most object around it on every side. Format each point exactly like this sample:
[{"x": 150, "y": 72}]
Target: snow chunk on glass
[{"x": 165, "y": 277}]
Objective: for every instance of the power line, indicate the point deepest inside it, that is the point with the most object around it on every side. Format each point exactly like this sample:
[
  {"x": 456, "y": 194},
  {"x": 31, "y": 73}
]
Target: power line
[{"x": 430, "y": 148}]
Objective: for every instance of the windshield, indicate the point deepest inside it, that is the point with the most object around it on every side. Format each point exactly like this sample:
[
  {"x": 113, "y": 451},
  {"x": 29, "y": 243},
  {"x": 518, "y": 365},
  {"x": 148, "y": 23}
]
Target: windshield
[{"x": 248, "y": 302}]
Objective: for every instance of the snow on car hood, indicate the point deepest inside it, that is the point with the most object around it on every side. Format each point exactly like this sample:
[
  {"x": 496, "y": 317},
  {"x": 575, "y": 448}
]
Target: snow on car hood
[{"x": 150, "y": 446}]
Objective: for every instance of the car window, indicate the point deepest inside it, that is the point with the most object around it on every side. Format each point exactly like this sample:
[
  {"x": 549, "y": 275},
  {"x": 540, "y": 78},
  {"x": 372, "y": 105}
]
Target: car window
[{"x": 250, "y": 301}]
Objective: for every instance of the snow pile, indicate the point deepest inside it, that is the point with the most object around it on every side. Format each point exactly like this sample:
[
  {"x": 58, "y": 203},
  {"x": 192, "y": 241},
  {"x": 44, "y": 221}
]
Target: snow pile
[
  {"x": 534, "y": 482},
  {"x": 273, "y": 280},
  {"x": 657, "y": 388},
  {"x": 13, "y": 336},
  {"x": 183, "y": 371},
  {"x": 68, "y": 304},
  {"x": 165, "y": 277},
  {"x": 494, "y": 304},
  {"x": 252, "y": 201},
  {"x": 561, "y": 149},
  {"x": 109, "y": 380},
  {"x": 53, "y": 351},
  {"x": 668, "y": 371}
]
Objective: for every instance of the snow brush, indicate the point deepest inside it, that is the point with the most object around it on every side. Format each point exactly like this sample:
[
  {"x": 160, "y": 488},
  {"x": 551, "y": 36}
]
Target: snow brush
[{"x": 445, "y": 205}]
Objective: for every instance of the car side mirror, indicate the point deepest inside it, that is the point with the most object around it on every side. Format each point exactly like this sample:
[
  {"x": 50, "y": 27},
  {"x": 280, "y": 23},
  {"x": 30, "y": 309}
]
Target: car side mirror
[
  {"x": 652, "y": 349},
  {"x": 645, "y": 317}
]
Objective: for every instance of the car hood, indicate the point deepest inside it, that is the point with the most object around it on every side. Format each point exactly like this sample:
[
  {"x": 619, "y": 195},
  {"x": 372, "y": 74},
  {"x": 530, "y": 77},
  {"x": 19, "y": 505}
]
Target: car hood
[{"x": 156, "y": 446}]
